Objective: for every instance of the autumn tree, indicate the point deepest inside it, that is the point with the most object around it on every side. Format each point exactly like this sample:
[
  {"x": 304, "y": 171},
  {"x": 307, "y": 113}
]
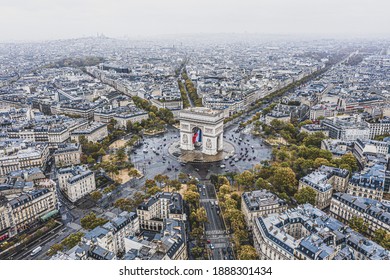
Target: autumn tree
[
  {"x": 175, "y": 184},
  {"x": 306, "y": 195},
  {"x": 246, "y": 179},
  {"x": 191, "y": 197},
  {"x": 201, "y": 215},
  {"x": 90, "y": 221},
  {"x": 358, "y": 224},
  {"x": 160, "y": 178},
  {"x": 247, "y": 252},
  {"x": 96, "y": 195},
  {"x": 284, "y": 180},
  {"x": 72, "y": 240}
]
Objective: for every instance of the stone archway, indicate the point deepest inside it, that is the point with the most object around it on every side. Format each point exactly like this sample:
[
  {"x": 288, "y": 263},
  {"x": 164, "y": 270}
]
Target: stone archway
[{"x": 201, "y": 129}]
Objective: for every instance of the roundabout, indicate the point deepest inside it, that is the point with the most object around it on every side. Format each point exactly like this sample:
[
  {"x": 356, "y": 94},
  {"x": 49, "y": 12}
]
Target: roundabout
[{"x": 197, "y": 155}]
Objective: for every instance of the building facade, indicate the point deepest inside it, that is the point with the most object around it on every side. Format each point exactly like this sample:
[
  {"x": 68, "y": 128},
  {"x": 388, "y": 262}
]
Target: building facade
[
  {"x": 201, "y": 128},
  {"x": 307, "y": 233},
  {"x": 163, "y": 205},
  {"x": 67, "y": 155},
  {"x": 345, "y": 206},
  {"x": 260, "y": 203},
  {"x": 76, "y": 182}
]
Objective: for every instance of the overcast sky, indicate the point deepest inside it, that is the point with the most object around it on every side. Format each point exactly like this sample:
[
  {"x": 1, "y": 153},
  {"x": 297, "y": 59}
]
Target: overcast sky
[{"x": 55, "y": 19}]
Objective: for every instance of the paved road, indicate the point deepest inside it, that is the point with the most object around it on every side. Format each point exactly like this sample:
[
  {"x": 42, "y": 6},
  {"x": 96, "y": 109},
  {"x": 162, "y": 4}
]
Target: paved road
[{"x": 215, "y": 227}]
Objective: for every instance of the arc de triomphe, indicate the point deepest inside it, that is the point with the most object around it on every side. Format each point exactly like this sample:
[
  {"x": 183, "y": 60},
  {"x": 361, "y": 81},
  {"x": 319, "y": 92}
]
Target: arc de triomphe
[{"x": 201, "y": 128}]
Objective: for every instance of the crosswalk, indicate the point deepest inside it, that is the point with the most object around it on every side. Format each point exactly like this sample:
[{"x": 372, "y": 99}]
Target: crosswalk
[
  {"x": 215, "y": 232},
  {"x": 205, "y": 200}
]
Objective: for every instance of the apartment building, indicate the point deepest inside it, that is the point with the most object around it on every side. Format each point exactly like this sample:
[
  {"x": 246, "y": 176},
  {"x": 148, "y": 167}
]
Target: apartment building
[
  {"x": 324, "y": 181},
  {"x": 67, "y": 155},
  {"x": 344, "y": 206},
  {"x": 168, "y": 244},
  {"x": 92, "y": 133},
  {"x": 368, "y": 183},
  {"x": 307, "y": 233},
  {"x": 16, "y": 155},
  {"x": 163, "y": 205},
  {"x": 260, "y": 203},
  {"x": 346, "y": 128},
  {"x": 27, "y": 208},
  {"x": 111, "y": 235},
  {"x": 76, "y": 182}
]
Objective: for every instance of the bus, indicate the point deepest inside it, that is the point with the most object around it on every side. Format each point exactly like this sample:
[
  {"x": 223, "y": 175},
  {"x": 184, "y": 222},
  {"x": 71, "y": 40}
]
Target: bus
[{"x": 36, "y": 251}]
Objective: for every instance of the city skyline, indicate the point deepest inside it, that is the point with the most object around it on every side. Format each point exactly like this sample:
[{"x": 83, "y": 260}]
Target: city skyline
[{"x": 48, "y": 20}]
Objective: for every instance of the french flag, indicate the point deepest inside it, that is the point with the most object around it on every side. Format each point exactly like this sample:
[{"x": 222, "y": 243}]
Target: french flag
[{"x": 197, "y": 137}]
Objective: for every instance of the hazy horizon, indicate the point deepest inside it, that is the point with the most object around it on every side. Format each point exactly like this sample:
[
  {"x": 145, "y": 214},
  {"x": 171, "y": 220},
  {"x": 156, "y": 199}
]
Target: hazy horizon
[{"x": 40, "y": 20}]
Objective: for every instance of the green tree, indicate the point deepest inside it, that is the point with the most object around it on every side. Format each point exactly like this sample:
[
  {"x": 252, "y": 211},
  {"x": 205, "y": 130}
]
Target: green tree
[
  {"x": 197, "y": 252},
  {"x": 90, "y": 221},
  {"x": 284, "y": 180},
  {"x": 54, "y": 249},
  {"x": 246, "y": 179},
  {"x": 358, "y": 224},
  {"x": 153, "y": 191},
  {"x": 314, "y": 139},
  {"x": 182, "y": 176},
  {"x": 382, "y": 237},
  {"x": 201, "y": 215},
  {"x": 160, "y": 178},
  {"x": 247, "y": 252},
  {"x": 72, "y": 240},
  {"x": 306, "y": 195},
  {"x": 121, "y": 154},
  {"x": 350, "y": 160},
  {"x": 263, "y": 184},
  {"x": 124, "y": 204},
  {"x": 96, "y": 195},
  {"x": 191, "y": 197},
  {"x": 175, "y": 184},
  {"x": 134, "y": 173}
]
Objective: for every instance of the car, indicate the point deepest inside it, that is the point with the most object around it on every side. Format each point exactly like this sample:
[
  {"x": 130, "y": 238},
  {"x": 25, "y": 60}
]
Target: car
[
  {"x": 227, "y": 170},
  {"x": 204, "y": 186},
  {"x": 197, "y": 169},
  {"x": 236, "y": 159},
  {"x": 203, "y": 194},
  {"x": 208, "y": 241},
  {"x": 226, "y": 158},
  {"x": 223, "y": 166},
  {"x": 212, "y": 247},
  {"x": 169, "y": 169}
]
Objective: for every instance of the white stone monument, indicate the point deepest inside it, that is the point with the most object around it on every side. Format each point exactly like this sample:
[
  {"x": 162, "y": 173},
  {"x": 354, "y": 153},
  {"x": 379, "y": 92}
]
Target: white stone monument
[{"x": 201, "y": 129}]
